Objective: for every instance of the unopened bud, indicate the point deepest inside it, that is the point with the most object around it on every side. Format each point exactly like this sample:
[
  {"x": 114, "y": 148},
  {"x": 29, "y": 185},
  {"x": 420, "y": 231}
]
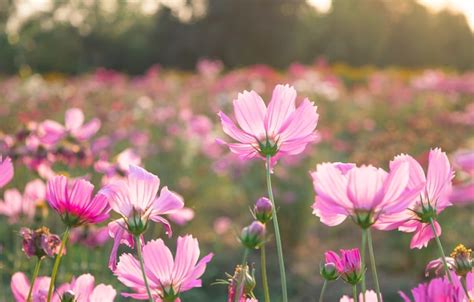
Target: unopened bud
[
  {"x": 263, "y": 210},
  {"x": 329, "y": 272},
  {"x": 68, "y": 296},
  {"x": 253, "y": 236}
]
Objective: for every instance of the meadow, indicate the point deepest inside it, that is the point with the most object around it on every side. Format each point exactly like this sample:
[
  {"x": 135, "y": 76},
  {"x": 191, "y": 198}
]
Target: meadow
[{"x": 167, "y": 122}]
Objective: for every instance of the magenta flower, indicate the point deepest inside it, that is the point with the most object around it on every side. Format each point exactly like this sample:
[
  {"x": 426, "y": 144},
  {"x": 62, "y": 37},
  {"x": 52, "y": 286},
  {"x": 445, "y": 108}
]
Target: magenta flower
[
  {"x": 366, "y": 194},
  {"x": 441, "y": 290},
  {"x": 51, "y": 132},
  {"x": 348, "y": 265},
  {"x": 6, "y": 171},
  {"x": 81, "y": 289},
  {"x": 167, "y": 277},
  {"x": 20, "y": 287},
  {"x": 136, "y": 202},
  {"x": 72, "y": 200},
  {"x": 16, "y": 206},
  {"x": 433, "y": 200},
  {"x": 275, "y": 131}
]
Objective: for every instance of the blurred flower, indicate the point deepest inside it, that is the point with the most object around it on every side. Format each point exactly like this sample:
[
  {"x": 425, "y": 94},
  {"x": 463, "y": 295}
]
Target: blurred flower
[
  {"x": 366, "y": 194},
  {"x": 71, "y": 199},
  {"x": 135, "y": 201},
  {"x": 81, "y": 289},
  {"x": 6, "y": 171},
  {"x": 275, "y": 131},
  {"x": 15, "y": 206},
  {"x": 51, "y": 132},
  {"x": 167, "y": 277},
  {"x": 90, "y": 236},
  {"x": 433, "y": 200},
  {"x": 370, "y": 296},
  {"x": 40, "y": 242},
  {"x": 463, "y": 193},
  {"x": 20, "y": 287},
  {"x": 222, "y": 225},
  {"x": 181, "y": 216}
]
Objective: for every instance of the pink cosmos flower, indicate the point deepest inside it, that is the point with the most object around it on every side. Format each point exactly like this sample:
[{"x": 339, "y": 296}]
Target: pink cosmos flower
[
  {"x": 135, "y": 201},
  {"x": 81, "y": 289},
  {"x": 370, "y": 296},
  {"x": 366, "y": 194},
  {"x": 167, "y": 277},
  {"x": 181, "y": 216},
  {"x": 51, "y": 132},
  {"x": 72, "y": 200},
  {"x": 6, "y": 171},
  {"x": 348, "y": 265},
  {"x": 441, "y": 290},
  {"x": 463, "y": 193},
  {"x": 277, "y": 130},
  {"x": 433, "y": 200},
  {"x": 114, "y": 171},
  {"x": 20, "y": 287},
  {"x": 15, "y": 205}
]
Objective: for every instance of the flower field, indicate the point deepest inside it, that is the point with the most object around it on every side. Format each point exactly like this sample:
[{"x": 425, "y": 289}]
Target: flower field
[{"x": 176, "y": 175}]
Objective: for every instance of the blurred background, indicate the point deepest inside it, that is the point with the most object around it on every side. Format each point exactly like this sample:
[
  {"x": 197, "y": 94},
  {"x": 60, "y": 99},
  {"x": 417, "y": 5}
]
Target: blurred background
[{"x": 388, "y": 77}]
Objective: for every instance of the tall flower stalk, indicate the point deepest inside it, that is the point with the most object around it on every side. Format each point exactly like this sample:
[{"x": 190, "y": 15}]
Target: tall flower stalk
[
  {"x": 263, "y": 264},
  {"x": 33, "y": 279},
  {"x": 373, "y": 267},
  {"x": 362, "y": 258},
  {"x": 281, "y": 260},
  {"x": 263, "y": 212},
  {"x": 142, "y": 266},
  {"x": 441, "y": 251},
  {"x": 57, "y": 262}
]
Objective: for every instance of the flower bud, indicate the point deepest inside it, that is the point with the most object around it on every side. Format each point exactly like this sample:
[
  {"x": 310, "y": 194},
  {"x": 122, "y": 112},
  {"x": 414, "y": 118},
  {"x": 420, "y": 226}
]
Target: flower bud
[
  {"x": 349, "y": 265},
  {"x": 263, "y": 210},
  {"x": 463, "y": 258},
  {"x": 68, "y": 296},
  {"x": 242, "y": 283},
  {"x": 329, "y": 272},
  {"x": 136, "y": 225},
  {"x": 253, "y": 236},
  {"x": 40, "y": 242}
]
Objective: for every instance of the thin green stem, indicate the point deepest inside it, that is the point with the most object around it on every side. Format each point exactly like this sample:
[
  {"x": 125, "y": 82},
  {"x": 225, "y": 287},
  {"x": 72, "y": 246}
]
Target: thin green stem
[
  {"x": 321, "y": 295},
  {"x": 54, "y": 274},
  {"x": 33, "y": 279},
  {"x": 441, "y": 250},
  {"x": 263, "y": 263},
  {"x": 142, "y": 266},
  {"x": 354, "y": 293},
  {"x": 277, "y": 232},
  {"x": 463, "y": 283},
  {"x": 362, "y": 258},
  {"x": 373, "y": 266},
  {"x": 240, "y": 285}
]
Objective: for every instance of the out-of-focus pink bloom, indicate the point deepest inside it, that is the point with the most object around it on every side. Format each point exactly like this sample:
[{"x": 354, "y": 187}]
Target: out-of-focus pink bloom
[
  {"x": 73, "y": 201},
  {"x": 433, "y": 199},
  {"x": 90, "y": 236},
  {"x": 51, "y": 132},
  {"x": 181, "y": 216},
  {"x": 16, "y": 205},
  {"x": 348, "y": 265},
  {"x": 367, "y": 194},
  {"x": 441, "y": 290},
  {"x": 20, "y": 287},
  {"x": 81, "y": 289},
  {"x": 166, "y": 277},
  {"x": 209, "y": 68},
  {"x": 436, "y": 266},
  {"x": 463, "y": 193},
  {"x": 277, "y": 130},
  {"x": 115, "y": 170},
  {"x": 135, "y": 200},
  {"x": 6, "y": 171},
  {"x": 40, "y": 242},
  {"x": 222, "y": 225},
  {"x": 370, "y": 296}
]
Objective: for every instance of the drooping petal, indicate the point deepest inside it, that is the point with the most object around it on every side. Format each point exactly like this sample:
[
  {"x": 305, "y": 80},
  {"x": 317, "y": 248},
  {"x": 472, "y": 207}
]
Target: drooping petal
[
  {"x": 250, "y": 111},
  {"x": 281, "y": 106},
  {"x": 167, "y": 202},
  {"x": 423, "y": 235},
  {"x": 328, "y": 212}
]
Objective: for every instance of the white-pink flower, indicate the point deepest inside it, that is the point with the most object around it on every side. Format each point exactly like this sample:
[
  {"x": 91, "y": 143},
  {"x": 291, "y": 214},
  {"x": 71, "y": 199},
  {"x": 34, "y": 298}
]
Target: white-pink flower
[
  {"x": 15, "y": 205},
  {"x": 6, "y": 171},
  {"x": 82, "y": 289},
  {"x": 166, "y": 276}
]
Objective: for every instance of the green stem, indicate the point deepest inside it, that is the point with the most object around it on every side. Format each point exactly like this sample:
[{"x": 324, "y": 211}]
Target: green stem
[
  {"x": 441, "y": 250},
  {"x": 277, "y": 232},
  {"x": 463, "y": 283},
  {"x": 354, "y": 293},
  {"x": 362, "y": 258},
  {"x": 33, "y": 279},
  {"x": 263, "y": 260},
  {"x": 54, "y": 274},
  {"x": 240, "y": 285},
  {"x": 321, "y": 295},
  {"x": 142, "y": 266},
  {"x": 373, "y": 266}
]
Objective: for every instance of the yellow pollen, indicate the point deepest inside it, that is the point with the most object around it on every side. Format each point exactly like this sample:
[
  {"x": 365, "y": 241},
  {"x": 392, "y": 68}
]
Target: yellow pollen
[{"x": 461, "y": 250}]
